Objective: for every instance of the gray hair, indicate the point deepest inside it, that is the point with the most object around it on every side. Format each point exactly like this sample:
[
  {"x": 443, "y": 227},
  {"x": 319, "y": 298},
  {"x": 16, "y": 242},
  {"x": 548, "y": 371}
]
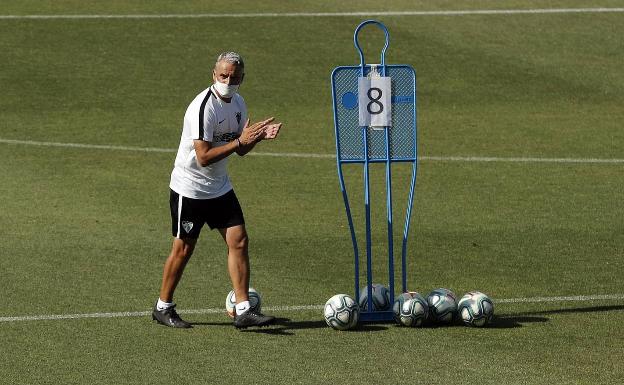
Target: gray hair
[{"x": 231, "y": 57}]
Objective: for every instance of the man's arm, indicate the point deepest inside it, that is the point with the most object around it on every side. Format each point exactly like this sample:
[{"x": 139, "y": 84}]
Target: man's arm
[{"x": 207, "y": 154}]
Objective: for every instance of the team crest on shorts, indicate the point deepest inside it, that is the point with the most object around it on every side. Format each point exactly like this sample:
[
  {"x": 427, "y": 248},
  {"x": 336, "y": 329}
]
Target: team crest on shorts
[{"x": 187, "y": 226}]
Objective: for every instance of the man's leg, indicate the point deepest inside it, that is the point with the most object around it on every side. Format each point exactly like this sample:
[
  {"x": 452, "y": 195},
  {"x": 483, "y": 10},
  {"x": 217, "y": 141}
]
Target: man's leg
[
  {"x": 238, "y": 260},
  {"x": 238, "y": 266},
  {"x": 181, "y": 252}
]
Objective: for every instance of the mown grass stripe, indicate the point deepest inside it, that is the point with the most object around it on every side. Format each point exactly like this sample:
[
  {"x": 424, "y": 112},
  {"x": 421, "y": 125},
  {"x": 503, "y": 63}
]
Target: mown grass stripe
[{"x": 293, "y": 308}]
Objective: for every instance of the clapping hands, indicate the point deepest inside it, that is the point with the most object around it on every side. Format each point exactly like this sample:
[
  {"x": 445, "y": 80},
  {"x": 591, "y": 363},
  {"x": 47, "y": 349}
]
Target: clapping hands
[{"x": 258, "y": 131}]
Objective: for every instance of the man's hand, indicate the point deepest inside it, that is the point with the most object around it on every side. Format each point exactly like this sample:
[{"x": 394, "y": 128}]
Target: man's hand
[
  {"x": 271, "y": 131},
  {"x": 255, "y": 132}
]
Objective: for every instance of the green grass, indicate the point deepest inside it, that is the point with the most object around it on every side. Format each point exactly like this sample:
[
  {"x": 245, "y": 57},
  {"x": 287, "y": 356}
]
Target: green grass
[
  {"x": 87, "y": 230},
  {"x": 105, "y": 351}
]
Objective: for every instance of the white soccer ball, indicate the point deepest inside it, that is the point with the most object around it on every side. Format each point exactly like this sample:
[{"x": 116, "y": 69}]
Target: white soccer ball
[
  {"x": 255, "y": 302},
  {"x": 381, "y": 298},
  {"x": 442, "y": 305},
  {"x": 410, "y": 309},
  {"x": 341, "y": 312},
  {"x": 476, "y": 309}
]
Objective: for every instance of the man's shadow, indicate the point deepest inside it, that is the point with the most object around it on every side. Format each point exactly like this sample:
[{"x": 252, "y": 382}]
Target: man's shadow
[{"x": 287, "y": 327}]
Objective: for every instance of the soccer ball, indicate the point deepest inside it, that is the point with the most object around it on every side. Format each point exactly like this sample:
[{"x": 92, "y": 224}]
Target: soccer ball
[
  {"x": 255, "y": 302},
  {"x": 341, "y": 312},
  {"x": 381, "y": 298},
  {"x": 442, "y": 305},
  {"x": 410, "y": 309},
  {"x": 476, "y": 309}
]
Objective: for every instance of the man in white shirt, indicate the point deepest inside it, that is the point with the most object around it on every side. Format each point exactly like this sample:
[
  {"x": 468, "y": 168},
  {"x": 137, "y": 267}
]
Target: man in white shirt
[{"x": 215, "y": 126}]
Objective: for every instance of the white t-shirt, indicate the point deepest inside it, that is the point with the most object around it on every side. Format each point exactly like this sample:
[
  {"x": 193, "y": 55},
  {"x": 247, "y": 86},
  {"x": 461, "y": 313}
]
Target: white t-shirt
[{"x": 211, "y": 119}]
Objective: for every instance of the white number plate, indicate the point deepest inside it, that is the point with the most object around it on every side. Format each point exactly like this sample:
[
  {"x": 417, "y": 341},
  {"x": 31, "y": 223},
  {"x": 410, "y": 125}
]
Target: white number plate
[{"x": 374, "y": 99}]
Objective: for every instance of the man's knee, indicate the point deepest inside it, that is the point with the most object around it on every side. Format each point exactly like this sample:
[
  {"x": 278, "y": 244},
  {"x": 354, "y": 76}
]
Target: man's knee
[
  {"x": 238, "y": 240},
  {"x": 182, "y": 248}
]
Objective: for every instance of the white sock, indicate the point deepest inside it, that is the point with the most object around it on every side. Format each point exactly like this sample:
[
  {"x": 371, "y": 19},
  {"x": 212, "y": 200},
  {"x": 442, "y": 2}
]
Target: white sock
[
  {"x": 242, "y": 307},
  {"x": 162, "y": 305}
]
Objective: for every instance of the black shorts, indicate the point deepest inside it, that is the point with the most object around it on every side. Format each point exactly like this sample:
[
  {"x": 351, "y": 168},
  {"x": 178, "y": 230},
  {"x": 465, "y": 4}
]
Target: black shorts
[{"x": 189, "y": 215}]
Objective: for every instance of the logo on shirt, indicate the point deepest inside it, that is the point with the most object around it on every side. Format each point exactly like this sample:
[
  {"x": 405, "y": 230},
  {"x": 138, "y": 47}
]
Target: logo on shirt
[
  {"x": 238, "y": 117},
  {"x": 225, "y": 137}
]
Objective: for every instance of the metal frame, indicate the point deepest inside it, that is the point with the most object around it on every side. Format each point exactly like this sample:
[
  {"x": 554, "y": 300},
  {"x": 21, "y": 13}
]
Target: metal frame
[{"x": 366, "y": 160}]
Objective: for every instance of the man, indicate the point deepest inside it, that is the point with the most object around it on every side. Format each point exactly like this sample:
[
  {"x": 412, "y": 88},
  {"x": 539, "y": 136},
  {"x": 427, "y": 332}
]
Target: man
[{"x": 215, "y": 126}]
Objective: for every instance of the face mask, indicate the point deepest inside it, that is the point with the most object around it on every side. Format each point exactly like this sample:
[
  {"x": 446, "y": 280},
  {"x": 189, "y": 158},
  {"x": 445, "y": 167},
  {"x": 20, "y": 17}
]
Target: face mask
[{"x": 225, "y": 90}]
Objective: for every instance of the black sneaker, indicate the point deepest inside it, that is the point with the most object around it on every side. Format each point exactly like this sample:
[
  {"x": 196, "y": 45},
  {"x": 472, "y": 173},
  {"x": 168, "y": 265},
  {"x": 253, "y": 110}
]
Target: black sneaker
[
  {"x": 169, "y": 317},
  {"x": 252, "y": 318}
]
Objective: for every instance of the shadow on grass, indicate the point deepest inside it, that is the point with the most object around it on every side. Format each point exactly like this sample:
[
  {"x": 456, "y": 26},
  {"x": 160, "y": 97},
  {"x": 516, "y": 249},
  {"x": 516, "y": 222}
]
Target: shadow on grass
[
  {"x": 227, "y": 323},
  {"x": 516, "y": 320},
  {"x": 592, "y": 309},
  {"x": 286, "y": 327}
]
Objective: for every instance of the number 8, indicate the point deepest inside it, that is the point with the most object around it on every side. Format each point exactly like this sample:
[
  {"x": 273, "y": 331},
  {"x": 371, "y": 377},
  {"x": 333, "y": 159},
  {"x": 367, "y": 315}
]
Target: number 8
[{"x": 374, "y": 101}]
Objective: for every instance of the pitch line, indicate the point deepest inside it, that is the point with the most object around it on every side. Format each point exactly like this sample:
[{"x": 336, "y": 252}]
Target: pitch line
[
  {"x": 324, "y": 14},
  {"x": 85, "y": 146},
  {"x": 57, "y": 317},
  {"x": 320, "y": 156},
  {"x": 518, "y": 159},
  {"x": 574, "y": 298}
]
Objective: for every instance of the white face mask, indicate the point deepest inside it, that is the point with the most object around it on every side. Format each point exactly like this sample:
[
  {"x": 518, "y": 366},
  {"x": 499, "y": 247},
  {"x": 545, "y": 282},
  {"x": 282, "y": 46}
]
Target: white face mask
[{"x": 226, "y": 90}]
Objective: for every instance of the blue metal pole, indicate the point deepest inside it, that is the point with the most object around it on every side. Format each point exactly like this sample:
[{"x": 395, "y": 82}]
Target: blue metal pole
[
  {"x": 345, "y": 197},
  {"x": 356, "y": 253},
  {"x": 407, "y": 226},
  {"x": 369, "y": 251},
  {"x": 389, "y": 213},
  {"x": 410, "y": 201}
]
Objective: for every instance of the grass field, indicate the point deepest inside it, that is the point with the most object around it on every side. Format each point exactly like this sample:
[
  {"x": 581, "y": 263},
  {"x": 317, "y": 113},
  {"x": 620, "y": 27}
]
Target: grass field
[{"x": 519, "y": 193}]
